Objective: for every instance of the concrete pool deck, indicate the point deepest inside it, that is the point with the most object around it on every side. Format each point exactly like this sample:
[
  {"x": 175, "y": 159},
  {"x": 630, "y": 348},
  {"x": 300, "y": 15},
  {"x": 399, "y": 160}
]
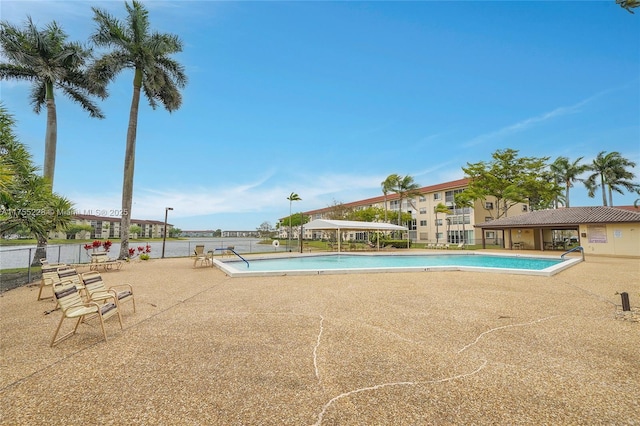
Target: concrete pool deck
[{"x": 398, "y": 349}]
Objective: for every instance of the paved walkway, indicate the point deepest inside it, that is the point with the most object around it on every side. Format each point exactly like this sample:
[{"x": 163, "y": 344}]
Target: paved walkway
[{"x": 375, "y": 349}]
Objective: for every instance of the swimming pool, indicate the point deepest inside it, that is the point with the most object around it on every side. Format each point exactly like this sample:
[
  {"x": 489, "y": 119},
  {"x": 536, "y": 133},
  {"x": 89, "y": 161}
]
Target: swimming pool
[{"x": 313, "y": 264}]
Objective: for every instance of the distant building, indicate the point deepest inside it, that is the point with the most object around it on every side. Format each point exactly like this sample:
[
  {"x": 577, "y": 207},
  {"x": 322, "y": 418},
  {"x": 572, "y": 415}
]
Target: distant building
[
  {"x": 109, "y": 227},
  {"x": 240, "y": 234},
  {"x": 207, "y": 233}
]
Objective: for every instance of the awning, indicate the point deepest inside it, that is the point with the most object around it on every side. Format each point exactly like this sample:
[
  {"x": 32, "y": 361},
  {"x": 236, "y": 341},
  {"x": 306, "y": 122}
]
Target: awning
[{"x": 352, "y": 225}]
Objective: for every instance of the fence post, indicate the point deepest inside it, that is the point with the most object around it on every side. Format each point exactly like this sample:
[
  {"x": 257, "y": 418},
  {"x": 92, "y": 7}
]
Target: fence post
[{"x": 29, "y": 267}]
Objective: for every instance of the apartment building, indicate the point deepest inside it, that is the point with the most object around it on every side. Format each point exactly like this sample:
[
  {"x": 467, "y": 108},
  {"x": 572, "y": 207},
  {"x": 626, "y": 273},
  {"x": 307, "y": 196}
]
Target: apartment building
[
  {"x": 103, "y": 227},
  {"x": 426, "y": 225}
]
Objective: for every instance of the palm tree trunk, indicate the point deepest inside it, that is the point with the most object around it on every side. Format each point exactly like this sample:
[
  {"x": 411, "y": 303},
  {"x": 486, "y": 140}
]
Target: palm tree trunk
[
  {"x": 610, "y": 196},
  {"x": 129, "y": 165},
  {"x": 604, "y": 190},
  {"x": 385, "y": 208},
  {"x": 566, "y": 194},
  {"x": 41, "y": 250},
  {"x": 51, "y": 136}
]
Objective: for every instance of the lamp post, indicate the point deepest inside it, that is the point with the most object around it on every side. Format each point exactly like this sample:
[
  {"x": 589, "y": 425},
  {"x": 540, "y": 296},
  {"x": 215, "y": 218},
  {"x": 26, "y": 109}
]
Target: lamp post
[
  {"x": 292, "y": 197},
  {"x": 164, "y": 234}
]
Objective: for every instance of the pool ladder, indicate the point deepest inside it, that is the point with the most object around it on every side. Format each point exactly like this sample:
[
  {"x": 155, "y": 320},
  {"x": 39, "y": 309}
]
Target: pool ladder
[
  {"x": 234, "y": 252},
  {"x": 573, "y": 249}
]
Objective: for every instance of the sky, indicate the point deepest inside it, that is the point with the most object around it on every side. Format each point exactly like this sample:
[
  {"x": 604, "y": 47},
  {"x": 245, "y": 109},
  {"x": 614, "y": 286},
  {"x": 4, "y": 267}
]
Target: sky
[{"x": 328, "y": 98}]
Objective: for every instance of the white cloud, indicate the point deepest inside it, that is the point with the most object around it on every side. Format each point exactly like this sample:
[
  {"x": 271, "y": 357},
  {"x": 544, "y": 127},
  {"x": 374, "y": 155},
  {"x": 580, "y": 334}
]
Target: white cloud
[{"x": 529, "y": 122}]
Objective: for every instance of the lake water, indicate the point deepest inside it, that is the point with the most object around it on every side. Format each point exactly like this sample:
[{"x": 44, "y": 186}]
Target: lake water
[{"x": 21, "y": 256}]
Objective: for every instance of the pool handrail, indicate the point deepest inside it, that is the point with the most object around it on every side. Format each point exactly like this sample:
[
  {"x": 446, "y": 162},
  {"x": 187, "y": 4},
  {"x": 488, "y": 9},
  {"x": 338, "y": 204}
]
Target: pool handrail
[
  {"x": 234, "y": 252},
  {"x": 573, "y": 249}
]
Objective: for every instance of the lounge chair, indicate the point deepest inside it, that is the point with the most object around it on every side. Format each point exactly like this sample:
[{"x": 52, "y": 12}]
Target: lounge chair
[
  {"x": 49, "y": 277},
  {"x": 103, "y": 260},
  {"x": 431, "y": 246},
  {"x": 70, "y": 274},
  {"x": 461, "y": 246},
  {"x": 98, "y": 292},
  {"x": 201, "y": 257},
  {"x": 72, "y": 306}
]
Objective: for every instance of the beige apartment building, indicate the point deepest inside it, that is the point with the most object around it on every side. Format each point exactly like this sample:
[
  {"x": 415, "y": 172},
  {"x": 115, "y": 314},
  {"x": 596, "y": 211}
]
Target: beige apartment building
[
  {"x": 109, "y": 227},
  {"x": 426, "y": 226}
]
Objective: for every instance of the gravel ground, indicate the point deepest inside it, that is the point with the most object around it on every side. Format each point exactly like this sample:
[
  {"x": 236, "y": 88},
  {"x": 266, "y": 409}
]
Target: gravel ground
[{"x": 436, "y": 348}]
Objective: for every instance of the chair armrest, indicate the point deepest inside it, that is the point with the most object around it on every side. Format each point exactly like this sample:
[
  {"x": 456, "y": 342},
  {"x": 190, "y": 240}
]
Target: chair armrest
[{"x": 127, "y": 286}]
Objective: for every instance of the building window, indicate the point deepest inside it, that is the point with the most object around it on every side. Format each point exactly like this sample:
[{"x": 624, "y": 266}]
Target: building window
[
  {"x": 438, "y": 222},
  {"x": 437, "y": 196},
  {"x": 488, "y": 218},
  {"x": 524, "y": 208},
  {"x": 422, "y": 198},
  {"x": 488, "y": 205},
  {"x": 423, "y": 223},
  {"x": 423, "y": 210},
  {"x": 450, "y": 195},
  {"x": 491, "y": 234}
]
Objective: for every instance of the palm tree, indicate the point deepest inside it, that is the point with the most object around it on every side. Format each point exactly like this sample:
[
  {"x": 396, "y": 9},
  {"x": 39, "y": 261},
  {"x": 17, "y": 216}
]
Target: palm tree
[
  {"x": 628, "y": 4},
  {"x": 154, "y": 72},
  {"x": 387, "y": 186},
  {"x": 47, "y": 60},
  {"x": 405, "y": 187},
  {"x": 619, "y": 177},
  {"x": 440, "y": 208},
  {"x": 610, "y": 169},
  {"x": 292, "y": 197},
  {"x": 462, "y": 201},
  {"x": 567, "y": 172},
  {"x": 26, "y": 199}
]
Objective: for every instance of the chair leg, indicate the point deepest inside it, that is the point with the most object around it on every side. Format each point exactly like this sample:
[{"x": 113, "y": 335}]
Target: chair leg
[
  {"x": 66, "y": 336},
  {"x": 104, "y": 333}
]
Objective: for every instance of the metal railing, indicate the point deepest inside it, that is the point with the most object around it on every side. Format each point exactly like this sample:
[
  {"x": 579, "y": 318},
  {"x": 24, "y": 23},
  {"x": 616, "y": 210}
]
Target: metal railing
[{"x": 573, "y": 249}]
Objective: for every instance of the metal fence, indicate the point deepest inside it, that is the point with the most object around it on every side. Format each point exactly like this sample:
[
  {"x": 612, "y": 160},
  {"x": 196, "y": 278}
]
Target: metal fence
[{"x": 16, "y": 269}]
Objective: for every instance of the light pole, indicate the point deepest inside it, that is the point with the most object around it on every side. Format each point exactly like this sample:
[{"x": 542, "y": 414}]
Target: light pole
[
  {"x": 292, "y": 197},
  {"x": 164, "y": 234}
]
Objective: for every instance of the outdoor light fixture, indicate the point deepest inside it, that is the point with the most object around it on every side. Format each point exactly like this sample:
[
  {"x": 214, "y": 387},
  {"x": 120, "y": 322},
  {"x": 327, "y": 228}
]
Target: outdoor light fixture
[{"x": 164, "y": 234}]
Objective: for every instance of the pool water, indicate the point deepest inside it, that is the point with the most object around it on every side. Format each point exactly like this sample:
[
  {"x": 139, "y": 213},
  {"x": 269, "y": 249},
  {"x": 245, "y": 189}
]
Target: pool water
[{"x": 341, "y": 263}]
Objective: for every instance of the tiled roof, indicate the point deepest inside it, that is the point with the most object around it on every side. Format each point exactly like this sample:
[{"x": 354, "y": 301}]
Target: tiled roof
[
  {"x": 456, "y": 184},
  {"x": 567, "y": 216}
]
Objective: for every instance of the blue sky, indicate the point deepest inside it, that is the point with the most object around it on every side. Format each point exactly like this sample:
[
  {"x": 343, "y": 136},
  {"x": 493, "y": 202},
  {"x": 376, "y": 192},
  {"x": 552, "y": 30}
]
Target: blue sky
[{"x": 326, "y": 99}]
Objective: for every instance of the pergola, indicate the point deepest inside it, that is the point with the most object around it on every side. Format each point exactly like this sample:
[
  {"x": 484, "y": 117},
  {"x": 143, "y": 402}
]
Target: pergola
[{"x": 352, "y": 225}]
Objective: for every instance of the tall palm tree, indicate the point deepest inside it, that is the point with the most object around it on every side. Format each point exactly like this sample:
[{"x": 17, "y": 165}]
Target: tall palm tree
[
  {"x": 387, "y": 186},
  {"x": 48, "y": 61},
  {"x": 26, "y": 200},
  {"x": 440, "y": 208},
  {"x": 405, "y": 187},
  {"x": 567, "y": 172},
  {"x": 610, "y": 174},
  {"x": 464, "y": 202},
  {"x": 292, "y": 197},
  {"x": 618, "y": 177},
  {"x": 133, "y": 46}
]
